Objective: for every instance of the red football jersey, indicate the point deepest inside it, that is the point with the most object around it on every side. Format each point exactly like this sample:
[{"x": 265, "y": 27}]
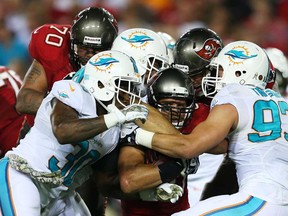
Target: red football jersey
[
  {"x": 10, "y": 120},
  {"x": 135, "y": 207},
  {"x": 200, "y": 114},
  {"x": 50, "y": 45}
]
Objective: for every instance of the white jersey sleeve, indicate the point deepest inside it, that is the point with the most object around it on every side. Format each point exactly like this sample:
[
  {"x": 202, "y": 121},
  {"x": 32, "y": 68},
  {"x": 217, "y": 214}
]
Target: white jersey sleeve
[
  {"x": 44, "y": 153},
  {"x": 74, "y": 95}
]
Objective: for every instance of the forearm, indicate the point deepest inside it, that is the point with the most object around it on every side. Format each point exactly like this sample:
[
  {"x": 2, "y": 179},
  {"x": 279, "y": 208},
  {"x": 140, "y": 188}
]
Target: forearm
[
  {"x": 179, "y": 145},
  {"x": 77, "y": 130},
  {"x": 176, "y": 146},
  {"x": 141, "y": 177},
  {"x": 29, "y": 101}
]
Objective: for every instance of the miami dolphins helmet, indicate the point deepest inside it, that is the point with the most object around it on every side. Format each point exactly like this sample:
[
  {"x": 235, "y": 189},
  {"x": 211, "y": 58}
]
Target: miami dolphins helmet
[
  {"x": 109, "y": 73},
  {"x": 240, "y": 62},
  {"x": 146, "y": 47}
]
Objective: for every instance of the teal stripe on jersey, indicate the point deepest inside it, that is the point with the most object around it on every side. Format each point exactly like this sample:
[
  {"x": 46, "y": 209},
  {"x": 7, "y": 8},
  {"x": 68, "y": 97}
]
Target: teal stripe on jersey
[
  {"x": 5, "y": 201},
  {"x": 250, "y": 207}
]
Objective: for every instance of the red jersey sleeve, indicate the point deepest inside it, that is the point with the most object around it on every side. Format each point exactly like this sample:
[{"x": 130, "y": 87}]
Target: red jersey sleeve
[
  {"x": 50, "y": 45},
  {"x": 10, "y": 120}
]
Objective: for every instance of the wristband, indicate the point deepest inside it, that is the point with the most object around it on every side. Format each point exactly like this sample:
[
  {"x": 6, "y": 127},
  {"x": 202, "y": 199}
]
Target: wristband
[
  {"x": 169, "y": 171},
  {"x": 144, "y": 138},
  {"x": 110, "y": 119}
]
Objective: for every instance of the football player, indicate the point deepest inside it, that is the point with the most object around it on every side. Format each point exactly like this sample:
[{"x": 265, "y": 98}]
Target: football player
[
  {"x": 192, "y": 53},
  {"x": 75, "y": 126},
  {"x": 60, "y": 49},
  {"x": 253, "y": 120},
  {"x": 171, "y": 92},
  {"x": 11, "y": 121}
]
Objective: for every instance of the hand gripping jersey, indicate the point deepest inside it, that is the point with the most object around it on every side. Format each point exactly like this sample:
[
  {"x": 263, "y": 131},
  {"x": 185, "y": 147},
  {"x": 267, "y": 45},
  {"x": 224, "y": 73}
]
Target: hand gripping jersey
[
  {"x": 50, "y": 45},
  {"x": 10, "y": 120},
  {"x": 259, "y": 144},
  {"x": 135, "y": 207},
  {"x": 43, "y": 152}
]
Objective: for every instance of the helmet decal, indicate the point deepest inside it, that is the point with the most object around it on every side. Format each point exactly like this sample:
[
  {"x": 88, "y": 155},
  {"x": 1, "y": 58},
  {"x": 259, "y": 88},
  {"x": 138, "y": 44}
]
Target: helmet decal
[
  {"x": 104, "y": 62},
  {"x": 92, "y": 40},
  {"x": 135, "y": 66},
  {"x": 63, "y": 94},
  {"x": 238, "y": 54},
  {"x": 138, "y": 39},
  {"x": 209, "y": 49}
]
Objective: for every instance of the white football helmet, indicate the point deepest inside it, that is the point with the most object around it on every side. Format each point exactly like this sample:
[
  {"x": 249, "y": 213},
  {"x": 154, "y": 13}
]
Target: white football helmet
[
  {"x": 107, "y": 74},
  {"x": 170, "y": 43},
  {"x": 146, "y": 47},
  {"x": 242, "y": 62}
]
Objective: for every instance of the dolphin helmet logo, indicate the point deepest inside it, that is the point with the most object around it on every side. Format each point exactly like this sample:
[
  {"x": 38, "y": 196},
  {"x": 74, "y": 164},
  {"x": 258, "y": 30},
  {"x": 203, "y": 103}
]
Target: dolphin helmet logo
[
  {"x": 210, "y": 48},
  {"x": 63, "y": 95},
  {"x": 104, "y": 62},
  {"x": 238, "y": 54},
  {"x": 138, "y": 39}
]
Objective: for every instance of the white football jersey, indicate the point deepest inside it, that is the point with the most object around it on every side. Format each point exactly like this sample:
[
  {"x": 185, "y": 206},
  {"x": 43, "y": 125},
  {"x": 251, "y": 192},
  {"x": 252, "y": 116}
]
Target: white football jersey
[
  {"x": 259, "y": 144},
  {"x": 42, "y": 150}
]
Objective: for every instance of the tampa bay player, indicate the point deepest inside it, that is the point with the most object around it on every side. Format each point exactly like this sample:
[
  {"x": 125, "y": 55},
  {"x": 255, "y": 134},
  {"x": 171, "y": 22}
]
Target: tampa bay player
[
  {"x": 192, "y": 53},
  {"x": 11, "y": 121},
  {"x": 75, "y": 126},
  {"x": 172, "y": 94},
  {"x": 60, "y": 49}
]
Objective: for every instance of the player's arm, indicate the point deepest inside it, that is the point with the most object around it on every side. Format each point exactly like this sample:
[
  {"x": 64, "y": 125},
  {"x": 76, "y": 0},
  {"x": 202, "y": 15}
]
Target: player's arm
[
  {"x": 68, "y": 128},
  {"x": 33, "y": 89},
  {"x": 134, "y": 174},
  {"x": 221, "y": 148},
  {"x": 203, "y": 138}
]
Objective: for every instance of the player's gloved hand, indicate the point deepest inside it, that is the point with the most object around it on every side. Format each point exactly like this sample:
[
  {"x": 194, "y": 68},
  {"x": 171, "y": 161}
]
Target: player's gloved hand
[
  {"x": 128, "y": 132},
  {"x": 168, "y": 191},
  {"x": 190, "y": 166},
  {"x": 135, "y": 111},
  {"x": 128, "y": 114}
]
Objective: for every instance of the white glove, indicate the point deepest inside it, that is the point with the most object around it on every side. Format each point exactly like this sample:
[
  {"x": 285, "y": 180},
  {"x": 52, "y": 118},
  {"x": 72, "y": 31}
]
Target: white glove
[
  {"x": 127, "y": 129},
  {"x": 168, "y": 191},
  {"x": 128, "y": 114},
  {"x": 165, "y": 192},
  {"x": 135, "y": 111}
]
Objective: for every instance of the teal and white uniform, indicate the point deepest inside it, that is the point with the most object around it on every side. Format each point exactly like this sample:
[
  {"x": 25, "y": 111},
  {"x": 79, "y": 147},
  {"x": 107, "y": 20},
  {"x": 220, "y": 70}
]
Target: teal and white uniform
[
  {"x": 259, "y": 147},
  {"x": 44, "y": 154}
]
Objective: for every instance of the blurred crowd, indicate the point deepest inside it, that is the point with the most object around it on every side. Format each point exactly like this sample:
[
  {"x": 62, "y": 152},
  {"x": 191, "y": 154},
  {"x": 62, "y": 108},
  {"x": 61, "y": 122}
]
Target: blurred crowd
[{"x": 264, "y": 22}]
